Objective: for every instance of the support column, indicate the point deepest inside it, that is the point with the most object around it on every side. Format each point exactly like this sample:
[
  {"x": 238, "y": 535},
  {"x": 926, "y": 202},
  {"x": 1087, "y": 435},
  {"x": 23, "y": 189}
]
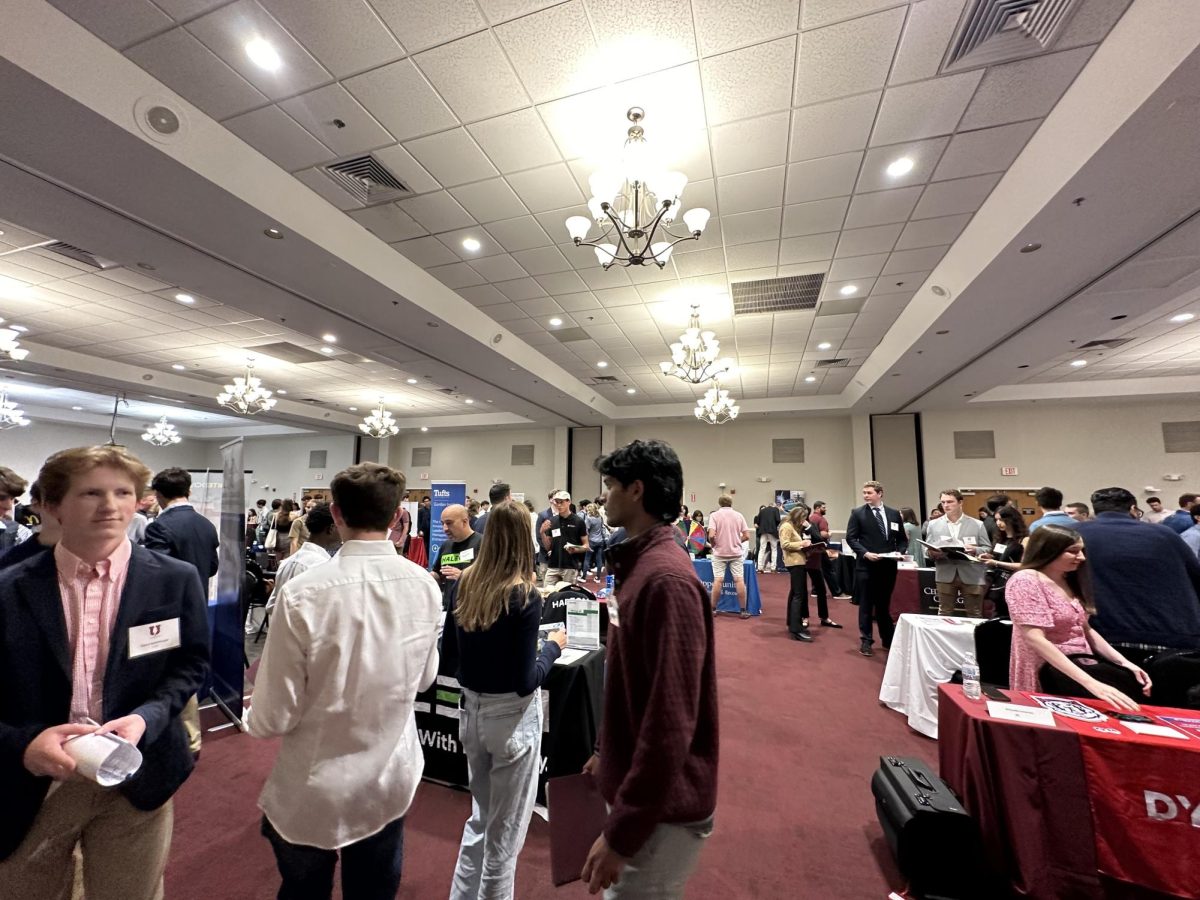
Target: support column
[{"x": 562, "y": 451}]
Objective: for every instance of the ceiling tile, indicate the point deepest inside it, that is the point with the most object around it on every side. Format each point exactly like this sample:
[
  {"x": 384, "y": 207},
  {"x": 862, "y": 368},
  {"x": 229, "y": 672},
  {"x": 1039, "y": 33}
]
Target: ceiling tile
[
  {"x": 817, "y": 13},
  {"x": 276, "y": 136},
  {"x": 857, "y": 288},
  {"x": 554, "y": 52},
  {"x": 474, "y": 77},
  {"x": 454, "y": 241},
  {"x": 945, "y": 198},
  {"x": 437, "y": 212},
  {"x": 704, "y": 262},
  {"x": 520, "y": 233},
  {"x": 547, "y": 188},
  {"x": 838, "y": 126},
  {"x": 814, "y": 217},
  {"x": 224, "y": 31},
  {"x": 904, "y": 282},
  {"x": 664, "y": 37},
  {"x": 425, "y": 23},
  {"x": 498, "y": 11},
  {"x": 542, "y": 260},
  {"x": 426, "y": 251},
  {"x": 924, "y": 156},
  {"x": 749, "y": 82},
  {"x": 927, "y": 33},
  {"x": 751, "y": 190},
  {"x": 882, "y": 207},
  {"x": 1026, "y": 89},
  {"x": 597, "y": 278},
  {"x": 622, "y": 296},
  {"x": 490, "y": 200},
  {"x": 456, "y": 275},
  {"x": 346, "y": 36},
  {"x": 401, "y": 164},
  {"x": 561, "y": 283},
  {"x": 516, "y": 141},
  {"x": 539, "y": 308},
  {"x": 182, "y": 10},
  {"x": 482, "y": 295},
  {"x": 317, "y": 111},
  {"x": 924, "y": 109},
  {"x": 857, "y": 267},
  {"x": 914, "y": 260},
  {"x": 197, "y": 74},
  {"x": 510, "y": 313},
  {"x": 321, "y": 184},
  {"x": 750, "y": 144},
  {"x": 861, "y": 241},
  {"x": 987, "y": 150},
  {"x": 752, "y": 256},
  {"x": 521, "y": 289},
  {"x": 846, "y": 59},
  {"x": 118, "y": 25},
  {"x": 453, "y": 158},
  {"x": 746, "y": 228},
  {"x": 400, "y": 97},
  {"x": 498, "y": 268},
  {"x": 808, "y": 249},
  {"x": 818, "y": 179},
  {"x": 931, "y": 232},
  {"x": 725, "y": 24}
]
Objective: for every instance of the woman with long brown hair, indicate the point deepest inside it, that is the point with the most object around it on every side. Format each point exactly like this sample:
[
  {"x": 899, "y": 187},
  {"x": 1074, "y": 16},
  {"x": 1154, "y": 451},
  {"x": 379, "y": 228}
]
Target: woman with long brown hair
[
  {"x": 283, "y": 526},
  {"x": 1050, "y": 613},
  {"x": 491, "y": 638}
]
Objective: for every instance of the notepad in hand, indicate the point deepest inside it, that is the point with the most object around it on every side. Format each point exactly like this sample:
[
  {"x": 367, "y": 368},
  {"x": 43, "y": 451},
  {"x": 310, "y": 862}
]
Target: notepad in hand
[{"x": 577, "y": 816}]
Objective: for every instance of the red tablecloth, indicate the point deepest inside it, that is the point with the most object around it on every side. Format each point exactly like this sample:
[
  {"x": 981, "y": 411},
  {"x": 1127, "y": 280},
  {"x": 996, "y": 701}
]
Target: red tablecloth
[
  {"x": 1082, "y": 810},
  {"x": 914, "y": 592}
]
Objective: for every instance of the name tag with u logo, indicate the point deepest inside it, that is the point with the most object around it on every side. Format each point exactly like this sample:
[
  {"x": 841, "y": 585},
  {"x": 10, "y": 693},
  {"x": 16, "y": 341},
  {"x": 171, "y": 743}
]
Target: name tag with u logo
[{"x": 153, "y": 637}]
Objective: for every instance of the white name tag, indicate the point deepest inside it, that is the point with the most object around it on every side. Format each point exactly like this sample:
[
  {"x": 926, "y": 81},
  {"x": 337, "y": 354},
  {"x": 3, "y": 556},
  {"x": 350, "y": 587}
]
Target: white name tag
[
  {"x": 999, "y": 549},
  {"x": 895, "y": 527},
  {"x": 153, "y": 638},
  {"x": 466, "y": 555},
  {"x": 556, "y": 532}
]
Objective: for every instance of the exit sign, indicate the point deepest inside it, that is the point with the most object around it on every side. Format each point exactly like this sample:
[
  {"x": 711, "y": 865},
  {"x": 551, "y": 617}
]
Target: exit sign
[{"x": 1008, "y": 470}]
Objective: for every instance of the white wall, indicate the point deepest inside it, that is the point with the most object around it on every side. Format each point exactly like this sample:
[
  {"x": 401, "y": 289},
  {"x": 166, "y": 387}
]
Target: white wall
[
  {"x": 478, "y": 457},
  {"x": 739, "y": 452},
  {"x": 25, "y": 449},
  {"x": 1076, "y": 448},
  {"x": 282, "y": 462}
]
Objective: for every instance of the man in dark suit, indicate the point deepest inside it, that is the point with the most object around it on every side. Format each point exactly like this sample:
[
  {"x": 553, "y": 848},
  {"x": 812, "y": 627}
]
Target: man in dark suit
[
  {"x": 873, "y": 530},
  {"x": 97, "y": 630},
  {"x": 179, "y": 530}
]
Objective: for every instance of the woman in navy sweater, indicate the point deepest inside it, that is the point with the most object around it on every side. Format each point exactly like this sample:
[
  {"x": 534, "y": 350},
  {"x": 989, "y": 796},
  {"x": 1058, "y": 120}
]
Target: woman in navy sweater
[{"x": 491, "y": 637}]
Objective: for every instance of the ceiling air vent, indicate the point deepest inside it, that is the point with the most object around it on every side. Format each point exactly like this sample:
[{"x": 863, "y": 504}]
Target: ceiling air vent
[
  {"x": 832, "y": 363},
  {"x": 288, "y": 353},
  {"x": 995, "y": 31},
  {"x": 1106, "y": 344},
  {"x": 603, "y": 379},
  {"x": 87, "y": 257},
  {"x": 567, "y": 335},
  {"x": 367, "y": 180},
  {"x": 771, "y": 295}
]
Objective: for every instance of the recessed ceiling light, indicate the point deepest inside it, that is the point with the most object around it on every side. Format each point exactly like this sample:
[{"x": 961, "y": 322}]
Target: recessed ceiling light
[
  {"x": 20, "y": 328},
  {"x": 424, "y": 428},
  {"x": 602, "y": 365},
  {"x": 1183, "y": 317},
  {"x": 555, "y": 322},
  {"x": 1031, "y": 248},
  {"x": 76, "y": 408},
  {"x": 1079, "y": 363},
  {"x": 352, "y": 408},
  {"x": 178, "y": 367},
  {"x": 329, "y": 338},
  {"x": 185, "y": 298},
  {"x": 811, "y": 378},
  {"x": 273, "y": 233},
  {"x": 326, "y": 349},
  {"x": 411, "y": 380},
  {"x": 469, "y": 400},
  {"x": 471, "y": 244},
  {"x": 630, "y": 390},
  {"x": 824, "y": 345},
  {"x": 849, "y": 289},
  {"x": 281, "y": 391},
  {"x": 263, "y": 54},
  {"x": 901, "y": 166}
]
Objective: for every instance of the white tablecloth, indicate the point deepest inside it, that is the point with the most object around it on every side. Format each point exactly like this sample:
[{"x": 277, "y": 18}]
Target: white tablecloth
[{"x": 926, "y": 651}]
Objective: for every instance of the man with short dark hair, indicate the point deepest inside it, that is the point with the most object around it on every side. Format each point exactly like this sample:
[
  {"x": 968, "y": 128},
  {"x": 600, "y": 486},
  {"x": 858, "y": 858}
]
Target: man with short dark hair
[
  {"x": 1191, "y": 537},
  {"x": 266, "y": 521},
  {"x": 12, "y": 486},
  {"x": 767, "y": 522},
  {"x": 1157, "y": 514},
  {"x": 955, "y": 576},
  {"x": 1050, "y": 500},
  {"x": 657, "y": 762},
  {"x": 497, "y": 493},
  {"x": 348, "y": 715},
  {"x": 1181, "y": 520},
  {"x": 49, "y": 532},
  {"x": 876, "y": 535},
  {"x": 1078, "y": 511},
  {"x": 727, "y": 531},
  {"x": 1144, "y": 581},
  {"x": 323, "y": 541},
  {"x": 828, "y": 569},
  {"x": 424, "y": 522},
  {"x": 993, "y": 504}
]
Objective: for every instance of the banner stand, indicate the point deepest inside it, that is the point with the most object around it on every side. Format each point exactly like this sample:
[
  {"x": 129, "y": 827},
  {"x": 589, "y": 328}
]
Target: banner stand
[
  {"x": 442, "y": 494},
  {"x": 227, "y": 682}
]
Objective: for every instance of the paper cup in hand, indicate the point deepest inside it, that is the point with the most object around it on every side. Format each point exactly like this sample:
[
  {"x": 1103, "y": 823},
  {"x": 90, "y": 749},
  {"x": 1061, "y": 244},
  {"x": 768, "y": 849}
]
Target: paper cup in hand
[{"x": 104, "y": 758}]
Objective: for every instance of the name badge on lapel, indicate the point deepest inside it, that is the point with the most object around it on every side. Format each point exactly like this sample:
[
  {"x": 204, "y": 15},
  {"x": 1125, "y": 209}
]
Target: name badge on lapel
[
  {"x": 153, "y": 637},
  {"x": 466, "y": 555},
  {"x": 894, "y": 526}
]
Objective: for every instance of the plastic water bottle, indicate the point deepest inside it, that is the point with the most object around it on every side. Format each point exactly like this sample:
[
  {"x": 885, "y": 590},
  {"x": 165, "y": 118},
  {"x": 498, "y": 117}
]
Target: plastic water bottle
[
  {"x": 607, "y": 590},
  {"x": 970, "y": 673}
]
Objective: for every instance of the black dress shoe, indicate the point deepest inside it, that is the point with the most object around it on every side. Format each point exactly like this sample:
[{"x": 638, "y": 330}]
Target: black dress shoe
[
  {"x": 864, "y": 649},
  {"x": 829, "y": 623},
  {"x": 801, "y": 636}
]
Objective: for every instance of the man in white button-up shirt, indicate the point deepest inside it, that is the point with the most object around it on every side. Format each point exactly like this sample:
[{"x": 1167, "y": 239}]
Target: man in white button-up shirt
[{"x": 352, "y": 641}]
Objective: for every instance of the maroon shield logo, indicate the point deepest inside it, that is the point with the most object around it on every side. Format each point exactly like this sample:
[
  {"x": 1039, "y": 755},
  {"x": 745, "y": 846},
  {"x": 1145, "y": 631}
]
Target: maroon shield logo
[{"x": 154, "y": 630}]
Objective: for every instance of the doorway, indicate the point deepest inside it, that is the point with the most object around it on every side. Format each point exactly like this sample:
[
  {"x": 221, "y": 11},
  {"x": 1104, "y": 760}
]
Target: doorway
[{"x": 975, "y": 500}]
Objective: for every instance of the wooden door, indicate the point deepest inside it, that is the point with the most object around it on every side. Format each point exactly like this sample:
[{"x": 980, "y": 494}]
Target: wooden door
[{"x": 975, "y": 500}]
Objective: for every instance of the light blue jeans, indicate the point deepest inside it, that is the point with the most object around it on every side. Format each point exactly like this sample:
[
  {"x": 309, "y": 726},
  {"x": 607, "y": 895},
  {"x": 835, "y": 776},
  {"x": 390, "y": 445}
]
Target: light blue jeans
[
  {"x": 502, "y": 737},
  {"x": 660, "y": 870}
]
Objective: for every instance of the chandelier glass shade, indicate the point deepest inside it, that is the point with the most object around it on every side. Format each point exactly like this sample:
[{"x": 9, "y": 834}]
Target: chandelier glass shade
[
  {"x": 161, "y": 434},
  {"x": 9, "y": 345},
  {"x": 717, "y": 407},
  {"x": 246, "y": 395},
  {"x": 695, "y": 356},
  {"x": 379, "y": 424},
  {"x": 11, "y": 415},
  {"x": 634, "y": 206}
]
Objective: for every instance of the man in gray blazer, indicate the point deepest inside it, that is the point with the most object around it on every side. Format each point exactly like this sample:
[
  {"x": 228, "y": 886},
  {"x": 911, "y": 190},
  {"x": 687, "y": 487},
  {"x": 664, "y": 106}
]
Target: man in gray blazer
[{"x": 958, "y": 576}]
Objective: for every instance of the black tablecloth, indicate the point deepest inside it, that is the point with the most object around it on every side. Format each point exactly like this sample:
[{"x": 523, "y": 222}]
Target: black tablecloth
[{"x": 574, "y": 693}]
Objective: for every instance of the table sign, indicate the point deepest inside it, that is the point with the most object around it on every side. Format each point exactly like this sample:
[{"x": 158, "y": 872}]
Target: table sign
[
  {"x": 1151, "y": 728},
  {"x": 1014, "y": 712},
  {"x": 583, "y": 623}
]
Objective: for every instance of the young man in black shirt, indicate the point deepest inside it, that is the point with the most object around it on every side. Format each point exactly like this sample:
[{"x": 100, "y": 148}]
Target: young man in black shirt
[
  {"x": 458, "y": 552},
  {"x": 564, "y": 538}
]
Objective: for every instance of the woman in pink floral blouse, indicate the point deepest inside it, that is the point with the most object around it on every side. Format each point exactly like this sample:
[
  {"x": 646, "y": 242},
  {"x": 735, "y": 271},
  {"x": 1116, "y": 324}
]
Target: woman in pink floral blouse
[{"x": 1047, "y": 606}]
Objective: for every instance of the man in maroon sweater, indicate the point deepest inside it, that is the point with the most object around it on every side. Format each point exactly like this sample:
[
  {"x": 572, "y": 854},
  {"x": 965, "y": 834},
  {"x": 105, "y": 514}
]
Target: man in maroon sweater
[{"x": 657, "y": 763}]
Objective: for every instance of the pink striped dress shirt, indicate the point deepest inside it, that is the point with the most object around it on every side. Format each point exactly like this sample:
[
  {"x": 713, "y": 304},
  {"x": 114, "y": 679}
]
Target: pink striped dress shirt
[{"x": 91, "y": 596}]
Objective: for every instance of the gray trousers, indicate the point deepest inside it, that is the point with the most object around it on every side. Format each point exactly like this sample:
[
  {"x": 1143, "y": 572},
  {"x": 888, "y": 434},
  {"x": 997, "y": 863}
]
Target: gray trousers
[{"x": 660, "y": 870}]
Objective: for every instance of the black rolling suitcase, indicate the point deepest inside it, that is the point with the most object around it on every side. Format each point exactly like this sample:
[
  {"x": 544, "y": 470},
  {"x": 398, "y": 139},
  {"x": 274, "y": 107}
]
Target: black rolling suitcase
[{"x": 935, "y": 842}]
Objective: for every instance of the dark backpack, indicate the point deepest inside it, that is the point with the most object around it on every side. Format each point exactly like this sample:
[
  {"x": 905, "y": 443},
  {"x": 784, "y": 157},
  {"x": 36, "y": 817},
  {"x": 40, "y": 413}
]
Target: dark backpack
[{"x": 1174, "y": 677}]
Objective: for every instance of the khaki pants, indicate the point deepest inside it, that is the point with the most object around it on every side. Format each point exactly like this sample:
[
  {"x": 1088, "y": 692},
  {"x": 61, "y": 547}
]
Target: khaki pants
[
  {"x": 124, "y": 849},
  {"x": 972, "y": 595},
  {"x": 554, "y": 576},
  {"x": 190, "y": 717}
]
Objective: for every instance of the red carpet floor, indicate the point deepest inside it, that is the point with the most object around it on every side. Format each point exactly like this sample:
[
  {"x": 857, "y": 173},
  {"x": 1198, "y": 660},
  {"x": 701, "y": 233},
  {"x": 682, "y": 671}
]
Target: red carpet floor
[{"x": 801, "y": 733}]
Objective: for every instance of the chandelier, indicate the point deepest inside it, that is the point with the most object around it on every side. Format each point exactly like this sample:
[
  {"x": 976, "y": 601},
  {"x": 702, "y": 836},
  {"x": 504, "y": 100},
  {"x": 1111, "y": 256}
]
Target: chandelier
[
  {"x": 246, "y": 395},
  {"x": 9, "y": 345},
  {"x": 11, "y": 415},
  {"x": 161, "y": 433},
  {"x": 633, "y": 205},
  {"x": 379, "y": 424},
  {"x": 694, "y": 355},
  {"x": 717, "y": 407}
]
